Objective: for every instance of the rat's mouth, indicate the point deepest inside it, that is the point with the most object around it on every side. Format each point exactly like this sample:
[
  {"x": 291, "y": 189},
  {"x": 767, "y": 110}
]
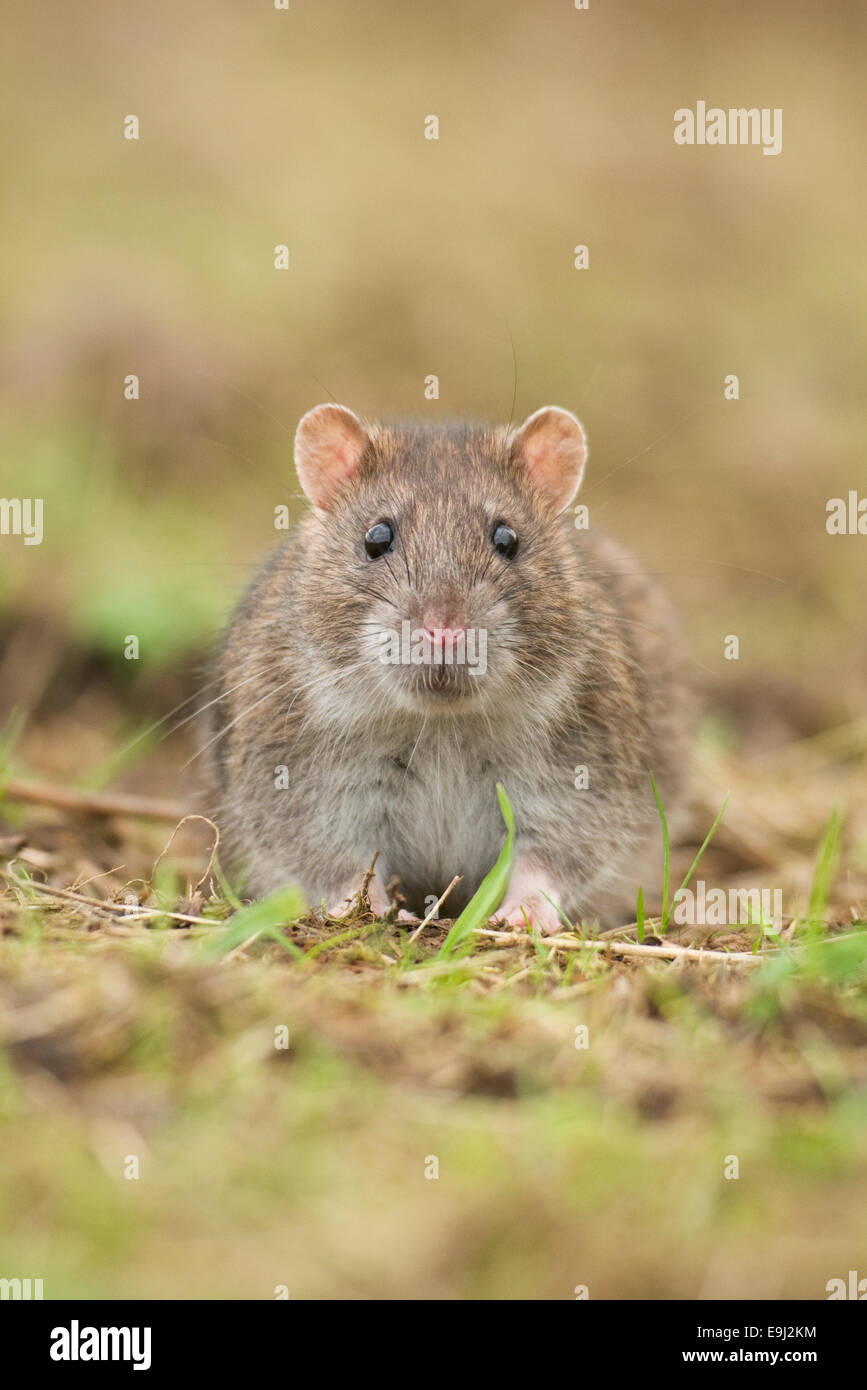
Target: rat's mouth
[
  {"x": 441, "y": 684},
  {"x": 445, "y": 683}
]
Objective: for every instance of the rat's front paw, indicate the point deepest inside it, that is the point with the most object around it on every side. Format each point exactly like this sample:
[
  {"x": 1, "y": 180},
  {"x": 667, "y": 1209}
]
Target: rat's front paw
[
  {"x": 527, "y": 902},
  {"x": 339, "y": 904}
]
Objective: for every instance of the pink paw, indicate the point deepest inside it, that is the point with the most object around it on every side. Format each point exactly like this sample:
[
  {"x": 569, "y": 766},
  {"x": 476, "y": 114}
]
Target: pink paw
[
  {"x": 379, "y": 904},
  {"x": 527, "y": 903}
]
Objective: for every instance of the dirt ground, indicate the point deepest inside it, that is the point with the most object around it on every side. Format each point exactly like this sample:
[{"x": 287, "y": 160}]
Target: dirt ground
[{"x": 580, "y": 1103}]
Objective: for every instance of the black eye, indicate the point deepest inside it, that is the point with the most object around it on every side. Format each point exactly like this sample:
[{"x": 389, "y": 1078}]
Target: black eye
[
  {"x": 505, "y": 541},
  {"x": 379, "y": 539}
]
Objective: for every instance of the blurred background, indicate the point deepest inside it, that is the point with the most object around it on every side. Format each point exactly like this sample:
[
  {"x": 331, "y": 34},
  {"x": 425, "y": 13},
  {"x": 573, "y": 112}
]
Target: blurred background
[{"x": 411, "y": 257}]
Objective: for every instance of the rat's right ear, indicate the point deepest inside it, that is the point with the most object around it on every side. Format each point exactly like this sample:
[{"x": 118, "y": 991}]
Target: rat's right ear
[
  {"x": 330, "y": 443},
  {"x": 552, "y": 446}
]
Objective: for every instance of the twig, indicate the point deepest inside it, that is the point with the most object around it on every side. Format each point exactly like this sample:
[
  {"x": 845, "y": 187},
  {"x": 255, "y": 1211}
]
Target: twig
[
  {"x": 124, "y": 910},
  {"x": 435, "y": 909},
  {"x": 93, "y": 803},
  {"x": 167, "y": 846},
  {"x": 368, "y": 877},
  {"x": 360, "y": 897},
  {"x": 669, "y": 951}
]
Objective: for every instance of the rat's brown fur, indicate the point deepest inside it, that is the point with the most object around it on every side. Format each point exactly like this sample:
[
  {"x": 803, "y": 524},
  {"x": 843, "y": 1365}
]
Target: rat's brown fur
[{"x": 583, "y": 670}]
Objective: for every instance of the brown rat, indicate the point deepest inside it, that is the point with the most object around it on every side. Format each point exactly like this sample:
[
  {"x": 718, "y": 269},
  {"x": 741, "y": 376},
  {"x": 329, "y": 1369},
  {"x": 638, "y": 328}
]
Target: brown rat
[{"x": 436, "y": 625}]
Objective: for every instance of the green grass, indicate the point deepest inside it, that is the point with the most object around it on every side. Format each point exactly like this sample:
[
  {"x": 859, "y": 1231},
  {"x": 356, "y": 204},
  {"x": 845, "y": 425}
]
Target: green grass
[
  {"x": 557, "y": 1167},
  {"x": 264, "y": 918},
  {"x": 490, "y": 892},
  {"x": 827, "y": 864},
  {"x": 263, "y": 1165}
]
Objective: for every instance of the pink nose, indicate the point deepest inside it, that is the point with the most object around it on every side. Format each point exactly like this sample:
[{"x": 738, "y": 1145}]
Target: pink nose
[{"x": 445, "y": 638}]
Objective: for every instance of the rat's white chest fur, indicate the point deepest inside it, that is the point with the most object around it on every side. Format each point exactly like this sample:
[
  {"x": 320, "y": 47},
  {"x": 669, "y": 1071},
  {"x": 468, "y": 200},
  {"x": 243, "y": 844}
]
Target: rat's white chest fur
[{"x": 438, "y": 816}]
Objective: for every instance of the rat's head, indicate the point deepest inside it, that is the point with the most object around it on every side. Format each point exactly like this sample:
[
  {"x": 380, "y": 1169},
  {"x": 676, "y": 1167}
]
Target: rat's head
[{"x": 436, "y": 569}]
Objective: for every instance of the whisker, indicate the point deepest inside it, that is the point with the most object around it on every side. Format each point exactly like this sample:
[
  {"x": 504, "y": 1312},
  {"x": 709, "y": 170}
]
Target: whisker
[
  {"x": 647, "y": 447},
  {"x": 256, "y": 676},
  {"x": 685, "y": 574},
  {"x": 222, "y": 732},
  {"x": 415, "y": 745},
  {"x": 245, "y": 396},
  {"x": 152, "y": 728},
  {"x": 515, "y": 377},
  {"x": 373, "y": 593}
]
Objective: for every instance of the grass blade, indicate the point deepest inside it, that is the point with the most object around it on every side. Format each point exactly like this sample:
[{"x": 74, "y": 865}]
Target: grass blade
[
  {"x": 827, "y": 863},
  {"x": 667, "y": 849},
  {"x": 491, "y": 890},
  {"x": 705, "y": 842},
  {"x": 264, "y": 917}
]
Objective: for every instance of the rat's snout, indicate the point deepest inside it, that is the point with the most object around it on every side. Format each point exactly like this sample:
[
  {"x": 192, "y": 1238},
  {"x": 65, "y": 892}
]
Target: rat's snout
[
  {"x": 440, "y": 650},
  {"x": 442, "y": 621},
  {"x": 443, "y": 635},
  {"x": 443, "y": 626}
]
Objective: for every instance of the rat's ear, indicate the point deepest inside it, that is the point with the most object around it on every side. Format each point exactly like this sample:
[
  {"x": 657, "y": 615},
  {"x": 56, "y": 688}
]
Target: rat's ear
[
  {"x": 552, "y": 446},
  {"x": 329, "y": 445}
]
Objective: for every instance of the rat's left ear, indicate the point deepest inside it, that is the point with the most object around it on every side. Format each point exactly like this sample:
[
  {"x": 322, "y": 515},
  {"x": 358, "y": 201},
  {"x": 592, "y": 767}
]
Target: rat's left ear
[{"x": 552, "y": 446}]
